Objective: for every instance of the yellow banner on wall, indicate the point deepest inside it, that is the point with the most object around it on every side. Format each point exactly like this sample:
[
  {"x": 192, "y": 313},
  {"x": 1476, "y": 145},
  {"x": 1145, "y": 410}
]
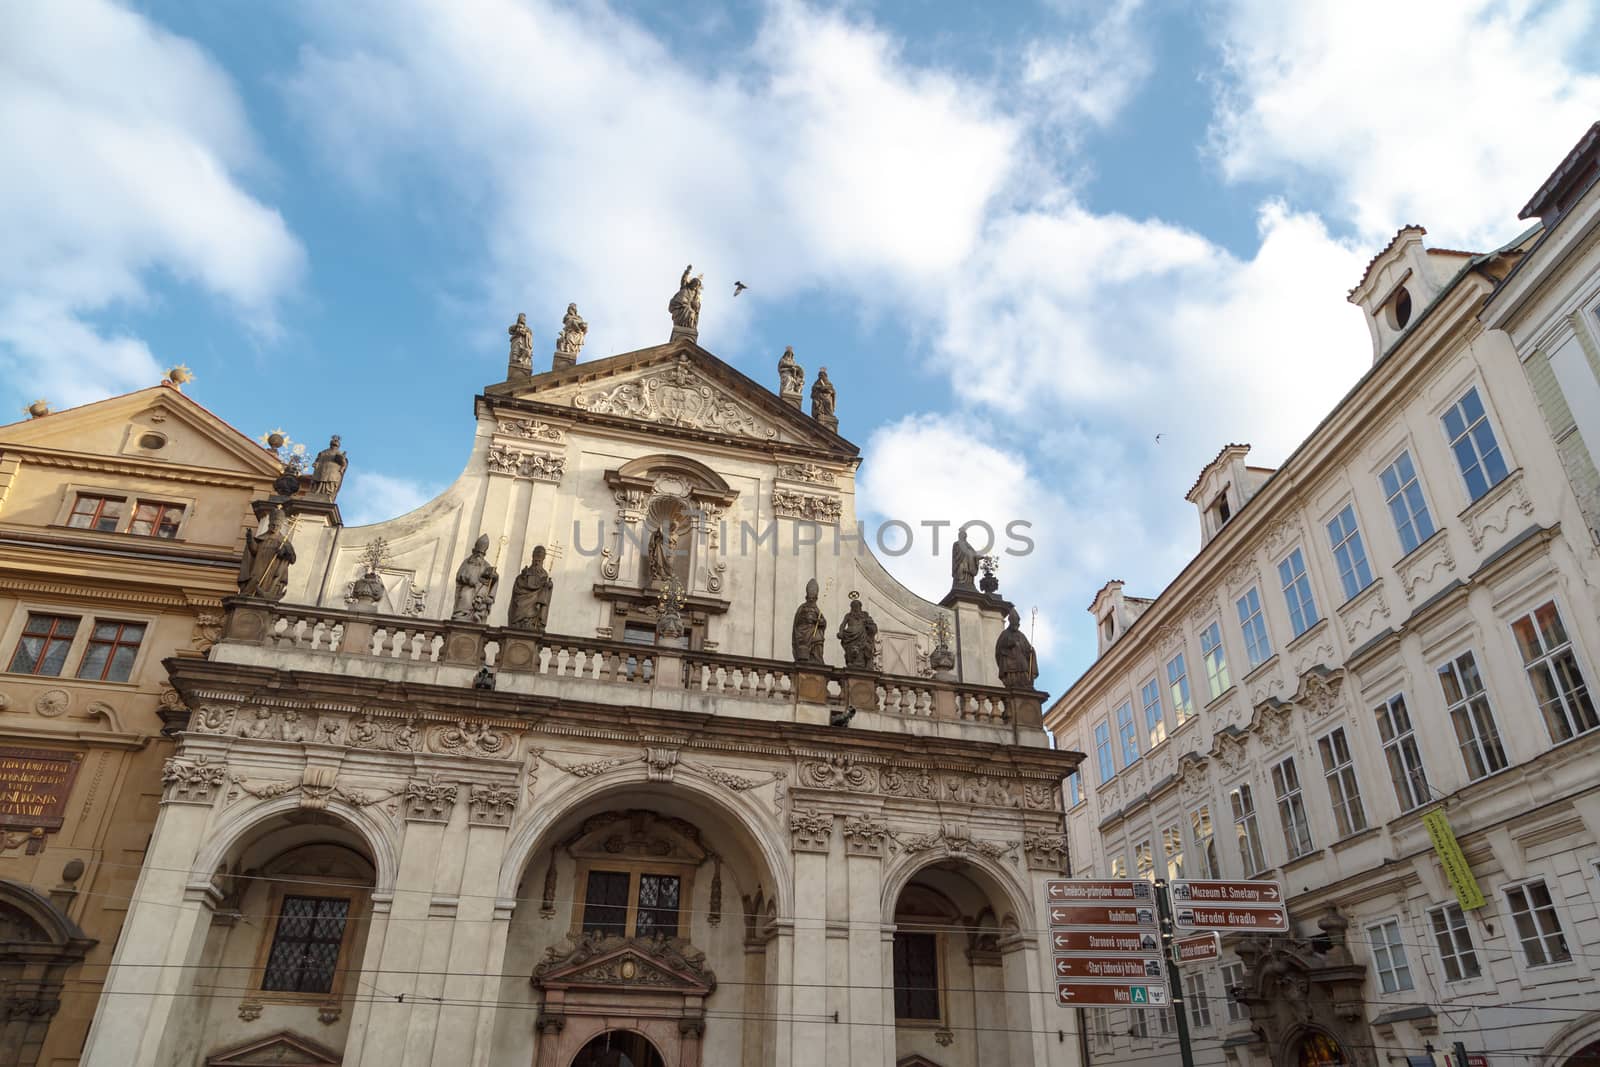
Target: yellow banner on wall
[{"x": 1452, "y": 859}]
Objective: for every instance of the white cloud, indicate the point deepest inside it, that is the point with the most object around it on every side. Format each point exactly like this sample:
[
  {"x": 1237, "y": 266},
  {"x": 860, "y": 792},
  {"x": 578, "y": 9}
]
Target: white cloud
[
  {"x": 368, "y": 496},
  {"x": 126, "y": 143},
  {"x": 1090, "y": 76},
  {"x": 597, "y": 163},
  {"x": 1448, "y": 114}
]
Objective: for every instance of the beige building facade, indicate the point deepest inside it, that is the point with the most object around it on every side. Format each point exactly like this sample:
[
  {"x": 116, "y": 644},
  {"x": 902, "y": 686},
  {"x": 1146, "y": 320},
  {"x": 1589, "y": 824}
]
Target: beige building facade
[
  {"x": 120, "y": 530},
  {"x": 1401, "y": 619},
  {"x": 531, "y": 775}
]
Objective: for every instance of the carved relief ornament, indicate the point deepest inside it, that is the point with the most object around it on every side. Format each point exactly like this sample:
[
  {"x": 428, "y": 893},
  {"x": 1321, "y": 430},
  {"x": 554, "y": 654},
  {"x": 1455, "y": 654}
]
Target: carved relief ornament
[
  {"x": 791, "y": 504},
  {"x": 677, "y": 396}
]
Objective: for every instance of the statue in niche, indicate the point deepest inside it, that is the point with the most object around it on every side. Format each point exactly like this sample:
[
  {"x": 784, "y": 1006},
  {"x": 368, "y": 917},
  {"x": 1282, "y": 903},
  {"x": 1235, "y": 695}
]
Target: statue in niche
[
  {"x": 1014, "y": 656},
  {"x": 573, "y": 329},
  {"x": 810, "y": 628},
  {"x": 859, "y": 636},
  {"x": 658, "y": 558},
  {"x": 791, "y": 376},
  {"x": 530, "y": 596},
  {"x": 822, "y": 395},
  {"x": 684, "y": 307},
  {"x": 964, "y": 564},
  {"x": 476, "y": 584},
  {"x": 521, "y": 342},
  {"x": 264, "y": 567},
  {"x": 327, "y": 470}
]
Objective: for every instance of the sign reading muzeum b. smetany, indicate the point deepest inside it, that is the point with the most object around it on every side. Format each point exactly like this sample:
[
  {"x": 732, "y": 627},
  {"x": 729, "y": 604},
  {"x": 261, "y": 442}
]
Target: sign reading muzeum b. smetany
[{"x": 647, "y": 792}]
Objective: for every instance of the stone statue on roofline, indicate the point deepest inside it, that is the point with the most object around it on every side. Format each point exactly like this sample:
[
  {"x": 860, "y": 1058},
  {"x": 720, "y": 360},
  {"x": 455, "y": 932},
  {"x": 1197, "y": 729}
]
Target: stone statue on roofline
[
  {"x": 791, "y": 377},
  {"x": 964, "y": 564},
  {"x": 1014, "y": 655},
  {"x": 823, "y": 397},
  {"x": 684, "y": 307},
  {"x": 327, "y": 470},
  {"x": 858, "y": 633},
  {"x": 570, "y": 340},
  {"x": 521, "y": 343},
  {"x": 264, "y": 567},
  {"x": 810, "y": 628},
  {"x": 476, "y": 584},
  {"x": 530, "y": 596}
]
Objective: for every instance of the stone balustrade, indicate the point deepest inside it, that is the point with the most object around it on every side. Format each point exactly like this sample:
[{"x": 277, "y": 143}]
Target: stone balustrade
[{"x": 396, "y": 640}]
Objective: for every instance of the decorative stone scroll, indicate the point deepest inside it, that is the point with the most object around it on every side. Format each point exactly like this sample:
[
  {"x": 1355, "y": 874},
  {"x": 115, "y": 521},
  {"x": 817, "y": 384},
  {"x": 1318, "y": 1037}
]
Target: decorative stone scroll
[
  {"x": 1319, "y": 691},
  {"x": 1492, "y": 512},
  {"x": 790, "y": 504},
  {"x": 191, "y": 781},
  {"x": 1424, "y": 562},
  {"x": 807, "y": 472},
  {"x": 812, "y": 830},
  {"x": 532, "y": 430},
  {"x": 491, "y": 805},
  {"x": 864, "y": 835},
  {"x": 522, "y": 463},
  {"x": 430, "y": 800},
  {"x": 953, "y": 840},
  {"x": 677, "y": 396},
  {"x": 1045, "y": 851}
]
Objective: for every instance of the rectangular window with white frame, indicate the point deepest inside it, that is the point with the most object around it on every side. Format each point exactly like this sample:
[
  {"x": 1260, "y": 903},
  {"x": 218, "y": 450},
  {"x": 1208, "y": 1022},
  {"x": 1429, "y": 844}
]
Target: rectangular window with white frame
[
  {"x": 1401, "y": 753},
  {"x": 1297, "y": 592},
  {"x": 1537, "y": 923},
  {"x": 1472, "y": 441},
  {"x": 1468, "y": 704},
  {"x": 1389, "y": 956},
  {"x": 1558, "y": 685},
  {"x": 1205, "y": 843},
  {"x": 1349, "y": 554},
  {"x": 1216, "y": 660},
  {"x": 1155, "y": 720},
  {"x": 1456, "y": 951},
  {"x": 1102, "y": 751},
  {"x": 1233, "y": 978},
  {"x": 1172, "y": 849},
  {"x": 1291, "y": 808},
  {"x": 1247, "y": 828},
  {"x": 1128, "y": 736},
  {"x": 1349, "y": 817},
  {"x": 1403, "y": 493},
  {"x": 1178, "y": 686},
  {"x": 1257, "y": 646},
  {"x": 1196, "y": 996},
  {"x": 1139, "y": 1024},
  {"x": 1144, "y": 861}
]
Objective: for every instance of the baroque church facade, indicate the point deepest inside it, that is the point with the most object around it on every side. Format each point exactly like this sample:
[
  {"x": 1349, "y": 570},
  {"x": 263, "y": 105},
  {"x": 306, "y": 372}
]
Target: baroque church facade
[{"x": 623, "y": 746}]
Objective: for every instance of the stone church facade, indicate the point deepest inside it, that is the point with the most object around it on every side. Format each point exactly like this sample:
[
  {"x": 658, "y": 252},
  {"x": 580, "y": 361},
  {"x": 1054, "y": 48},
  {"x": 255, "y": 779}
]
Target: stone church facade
[{"x": 432, "y": 807}]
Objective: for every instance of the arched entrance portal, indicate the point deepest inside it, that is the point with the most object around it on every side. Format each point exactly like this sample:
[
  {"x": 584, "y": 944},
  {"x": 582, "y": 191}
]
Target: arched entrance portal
[
  {"x": 618, "y": 1048},
  {"x": 1587, "y": 1056},
  {"x": 1317, "y": 1049}
]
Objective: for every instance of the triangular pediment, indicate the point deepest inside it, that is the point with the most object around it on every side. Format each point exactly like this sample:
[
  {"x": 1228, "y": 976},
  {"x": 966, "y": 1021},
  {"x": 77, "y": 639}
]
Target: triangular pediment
[
  {"x": 629, "y": 963},
  {"x": 282, "y": 1049},
  {"x": 677, "y": 387},
  {"x": 185, "y": 434}
]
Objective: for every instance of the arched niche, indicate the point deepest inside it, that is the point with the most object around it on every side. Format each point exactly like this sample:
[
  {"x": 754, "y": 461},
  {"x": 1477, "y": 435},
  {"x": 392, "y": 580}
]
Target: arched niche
[
  {"x": 39, "y": 946},
  {"x": 678, "y": 502}
]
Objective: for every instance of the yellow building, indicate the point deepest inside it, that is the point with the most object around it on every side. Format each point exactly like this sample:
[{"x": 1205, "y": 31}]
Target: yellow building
[{"x": 121, "y": 526}]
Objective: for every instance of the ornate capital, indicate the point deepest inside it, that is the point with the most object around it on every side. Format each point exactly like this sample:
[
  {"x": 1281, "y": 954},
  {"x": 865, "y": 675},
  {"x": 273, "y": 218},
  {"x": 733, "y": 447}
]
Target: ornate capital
[
  {"x": 191, "y": 782},
  {"x": 430, "y": 800},
  {"x": 812, "y": 830},
  {"x": 491, "y": 805},
  {"x": 864, "y": 835}
]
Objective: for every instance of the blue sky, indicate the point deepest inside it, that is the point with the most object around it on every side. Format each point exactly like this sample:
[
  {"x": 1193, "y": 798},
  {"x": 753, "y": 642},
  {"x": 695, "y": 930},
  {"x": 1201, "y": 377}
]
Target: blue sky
[{"x": 1024, "y": 239}]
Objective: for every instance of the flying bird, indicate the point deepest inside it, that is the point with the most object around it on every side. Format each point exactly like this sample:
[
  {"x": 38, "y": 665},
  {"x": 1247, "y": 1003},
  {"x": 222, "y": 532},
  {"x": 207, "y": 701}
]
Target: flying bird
[
  {"x": 1158, "y": 439},
  {"x": 739, "y": 287}
]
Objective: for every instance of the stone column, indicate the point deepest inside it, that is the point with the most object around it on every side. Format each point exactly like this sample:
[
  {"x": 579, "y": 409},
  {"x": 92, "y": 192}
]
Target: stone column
[
  {"x": 809, "y": 999},
  {"x": 468, "y": 991},
  {"x": 871, "y": 1027},
  {"x": 143, "y": 1010},
  {"x": 1025, "y": 1001}
]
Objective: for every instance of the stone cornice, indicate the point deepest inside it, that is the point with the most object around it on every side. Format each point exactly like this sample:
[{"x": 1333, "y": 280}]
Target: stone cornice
[
  {"x": 206, "y": 682},
  {"x": 131, "y": 466},
  {"x": 90, "y": 590}
]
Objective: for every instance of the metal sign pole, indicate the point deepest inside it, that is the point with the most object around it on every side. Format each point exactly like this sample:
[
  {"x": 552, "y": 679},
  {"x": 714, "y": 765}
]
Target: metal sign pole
[{"x": 1175, "y": 996}]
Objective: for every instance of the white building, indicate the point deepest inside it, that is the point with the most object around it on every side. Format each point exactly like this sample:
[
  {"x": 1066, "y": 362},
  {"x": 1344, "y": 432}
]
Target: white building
[
  {"x": 648, "y": 831},
  {"x": 1401, "y": 617}
]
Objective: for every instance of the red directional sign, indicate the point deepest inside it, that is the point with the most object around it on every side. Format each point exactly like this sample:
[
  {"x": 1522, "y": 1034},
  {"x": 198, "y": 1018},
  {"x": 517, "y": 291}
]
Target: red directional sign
[
  {"x": 1073, "y": 993},
  {"x": 1102, "y": 915},
  {"x": 1126, "y": 968},
  {"x": 1204, "y": 917},
  {"x": 1115, "y": 890},
  {"x": 1197, "y": 949},
  {"x": 1106, "y": 942},
  {"x": 1235, "y": 894}
]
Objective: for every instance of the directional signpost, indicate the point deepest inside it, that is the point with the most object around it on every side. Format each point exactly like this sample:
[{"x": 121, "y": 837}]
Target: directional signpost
[
  {"x": 1107, "y": 936},
  {"x": 1106, "y": 942}
]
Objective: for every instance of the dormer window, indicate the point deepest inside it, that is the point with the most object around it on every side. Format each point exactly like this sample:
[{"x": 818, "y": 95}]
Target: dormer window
[
  {"x": 1220, "y": 510},
  {"x": 1400, "y": 308}
]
